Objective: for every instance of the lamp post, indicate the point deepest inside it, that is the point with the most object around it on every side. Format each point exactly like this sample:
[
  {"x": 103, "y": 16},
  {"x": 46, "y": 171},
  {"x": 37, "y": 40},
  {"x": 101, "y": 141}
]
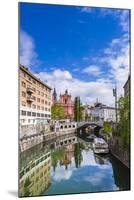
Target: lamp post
[{"x": 115, "y": 95}]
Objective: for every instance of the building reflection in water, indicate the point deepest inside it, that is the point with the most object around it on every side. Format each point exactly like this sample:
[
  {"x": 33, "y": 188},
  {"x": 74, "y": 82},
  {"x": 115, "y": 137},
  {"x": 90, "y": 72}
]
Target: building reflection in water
[
  {"x": 68, "y": 155},
  {"x": 65, "y": 155},
  {"x": 35, "y": 171}
]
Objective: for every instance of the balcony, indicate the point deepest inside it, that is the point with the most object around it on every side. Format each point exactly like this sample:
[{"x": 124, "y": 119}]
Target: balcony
[
  {"x": 30, "y": 90},
  {"x": 30, "y": 99}
]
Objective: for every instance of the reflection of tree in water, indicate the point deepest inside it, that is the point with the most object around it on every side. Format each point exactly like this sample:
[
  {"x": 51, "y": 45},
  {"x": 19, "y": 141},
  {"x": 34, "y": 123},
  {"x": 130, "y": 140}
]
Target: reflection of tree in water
[
  {"x": 56, "y": 156},
  {"x": 101, "y": 159},
  {"x": 77, "y": 155},
  {"x": 121, "y": 174}
]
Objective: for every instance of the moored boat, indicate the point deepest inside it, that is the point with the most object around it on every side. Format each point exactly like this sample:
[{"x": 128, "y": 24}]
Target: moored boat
[{"x": 100, "y": 146}]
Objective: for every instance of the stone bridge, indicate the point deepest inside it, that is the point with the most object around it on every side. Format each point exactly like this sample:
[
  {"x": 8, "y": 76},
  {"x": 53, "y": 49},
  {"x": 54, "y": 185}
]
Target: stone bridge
[
  {"x": 86, "y": 128},
  {"x": 95, "y": 123}
]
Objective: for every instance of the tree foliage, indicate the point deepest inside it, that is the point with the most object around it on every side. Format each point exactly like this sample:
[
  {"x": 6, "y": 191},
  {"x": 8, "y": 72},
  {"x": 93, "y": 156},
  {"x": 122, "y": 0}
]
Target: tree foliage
[
  {"x": 107, "y": 128},
  {"x": 124, "y": 120},
  {"x": 77, "y": 109},
  {"x": 56, "y": 156},
  {"x": 57, "y": 112}
]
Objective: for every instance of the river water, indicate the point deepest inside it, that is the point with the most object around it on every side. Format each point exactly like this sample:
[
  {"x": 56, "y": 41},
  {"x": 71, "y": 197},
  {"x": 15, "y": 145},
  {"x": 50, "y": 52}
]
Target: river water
[{"x": 73, "y": 168}]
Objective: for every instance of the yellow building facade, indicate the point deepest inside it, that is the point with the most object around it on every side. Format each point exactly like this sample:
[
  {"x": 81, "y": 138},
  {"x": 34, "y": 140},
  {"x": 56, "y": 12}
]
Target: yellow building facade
[{"x": 35, "y": 98}]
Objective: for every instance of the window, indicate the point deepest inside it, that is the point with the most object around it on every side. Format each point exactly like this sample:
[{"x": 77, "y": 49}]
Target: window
[
  {"x": 23, "y": 84},
  {"x": 42, "y": 115},
  {"x": 46, "y": 102},
  {"x": 45, "y": 109},
  {"x": 34, "y": 106},
  {"x": 34, "y": 82},
  {"x": 23, "y": 103},
  {"x": 38, "y": 114},
  {"x": 49, "y": 103},
  {"x": 42, "y": 94},
  {"x": 34, "y": 98},
  {"x": 23, "y": 94},
  {"x": 38, "y": 99},
  {"x": 42, "y": 108},
  {"x": 29, "y": 78},
  {"x": 23, "y": 112},
  {"x": 28, "y": 113},
  {"x": 34, "y": 89},
  {"x": 42, "y": 101},
  {"x": 38, "y": 107},
  {"x": 33, "y": 114},
  {"x": 45, "y": 115},
  {"x": 49, "y": 109},
  {"x": 46, "y": 95},
  {"x": 33, "y": 165},
  {"x": 38, "y": 92}
]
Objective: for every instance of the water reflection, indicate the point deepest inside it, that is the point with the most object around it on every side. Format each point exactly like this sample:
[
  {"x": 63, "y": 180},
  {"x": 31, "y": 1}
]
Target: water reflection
[
  {"x": 72, "y": 168},
  {"x": 35, "y": 171}
]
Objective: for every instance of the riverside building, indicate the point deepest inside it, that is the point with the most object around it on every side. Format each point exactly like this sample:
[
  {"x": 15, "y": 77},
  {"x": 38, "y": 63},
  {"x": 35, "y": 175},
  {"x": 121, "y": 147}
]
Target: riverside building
[{"x": 35, "y": 99}]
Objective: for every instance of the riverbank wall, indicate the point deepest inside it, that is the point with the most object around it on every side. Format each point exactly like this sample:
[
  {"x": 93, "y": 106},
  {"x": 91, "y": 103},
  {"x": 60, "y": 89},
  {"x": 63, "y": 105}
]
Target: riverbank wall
[
  {"x": 117, "y": 150},
  {"x": 30, "y": 140}
]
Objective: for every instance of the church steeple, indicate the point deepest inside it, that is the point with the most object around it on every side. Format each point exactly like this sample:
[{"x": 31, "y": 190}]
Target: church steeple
[
  {"x": 54, "y": 96},
  {"x": 66, "y": 91}
]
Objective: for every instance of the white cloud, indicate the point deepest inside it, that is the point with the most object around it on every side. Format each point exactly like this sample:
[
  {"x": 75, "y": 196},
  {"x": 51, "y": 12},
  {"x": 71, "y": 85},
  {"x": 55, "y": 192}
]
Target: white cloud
[
  {"x": 58, "y": 73},
  {"x": 86, "y": 9},
  {"x": 117, "y": 59},
  {"x": 114, "y": 63},
  {"x": 28, "y": 55},
  {"x": 92, "y": 70},
  {"x": 88, "y": 91},
  {"x": 62, "y": 174},
  {"x": 122, "y": 15}
]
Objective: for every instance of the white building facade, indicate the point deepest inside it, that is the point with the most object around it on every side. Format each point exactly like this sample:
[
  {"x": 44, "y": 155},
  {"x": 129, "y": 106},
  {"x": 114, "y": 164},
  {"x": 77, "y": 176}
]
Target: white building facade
[{"x": 102, "y": 112}]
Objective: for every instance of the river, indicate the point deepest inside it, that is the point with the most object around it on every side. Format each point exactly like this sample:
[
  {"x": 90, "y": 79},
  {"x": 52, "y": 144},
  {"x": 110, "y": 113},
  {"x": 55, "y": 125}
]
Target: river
[{"x": 73, "y": 168}]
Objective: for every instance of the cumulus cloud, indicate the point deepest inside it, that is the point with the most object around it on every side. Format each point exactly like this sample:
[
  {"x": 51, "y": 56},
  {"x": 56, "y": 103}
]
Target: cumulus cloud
[
  {"x": 62, "y": 174},
  {"x": 116, "y": 57},
  {"x": 28, "y": 55},
  {"x": 114, "y": 64},
  {"x": 92, "y": 70},
  {"x": 88, "y": 91}
]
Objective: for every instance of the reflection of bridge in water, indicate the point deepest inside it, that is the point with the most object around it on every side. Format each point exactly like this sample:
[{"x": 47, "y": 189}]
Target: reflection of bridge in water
[
  {"x": 87, "y": 128},
  {"x": 66, "y": 129}
]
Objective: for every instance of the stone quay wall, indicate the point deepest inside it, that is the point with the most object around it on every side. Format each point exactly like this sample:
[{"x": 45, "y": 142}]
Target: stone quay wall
[{"x": 119, "y": 152}]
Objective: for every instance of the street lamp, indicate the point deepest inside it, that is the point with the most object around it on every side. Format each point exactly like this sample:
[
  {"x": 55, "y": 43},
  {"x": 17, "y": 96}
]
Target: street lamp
[{"x": 115, "y": 95}]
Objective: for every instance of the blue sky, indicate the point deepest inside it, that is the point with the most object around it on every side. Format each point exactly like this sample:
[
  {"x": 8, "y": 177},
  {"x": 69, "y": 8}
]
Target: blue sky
[{"x": 83, "y": 49}]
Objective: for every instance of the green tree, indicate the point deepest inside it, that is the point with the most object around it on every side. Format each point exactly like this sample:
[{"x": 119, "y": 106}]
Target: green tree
[
  {"x": 124, "y": 120},
  {"x": 56, "y": 156},
  {"x": 77, "y": 109},
  {"x": 57, "y": 112},
  {"x": 107, "y": 128}
]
